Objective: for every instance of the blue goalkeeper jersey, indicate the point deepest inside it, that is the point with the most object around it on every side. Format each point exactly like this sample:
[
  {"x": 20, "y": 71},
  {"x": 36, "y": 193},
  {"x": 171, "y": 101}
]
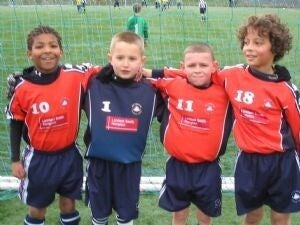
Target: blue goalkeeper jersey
[{"x": 119, "y": 116}]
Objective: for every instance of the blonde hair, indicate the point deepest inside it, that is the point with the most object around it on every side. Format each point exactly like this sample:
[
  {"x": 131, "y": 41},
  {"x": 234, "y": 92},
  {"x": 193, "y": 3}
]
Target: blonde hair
[
  {"x": 127, "y": 37},
  {"x": 199, "y": 47}
]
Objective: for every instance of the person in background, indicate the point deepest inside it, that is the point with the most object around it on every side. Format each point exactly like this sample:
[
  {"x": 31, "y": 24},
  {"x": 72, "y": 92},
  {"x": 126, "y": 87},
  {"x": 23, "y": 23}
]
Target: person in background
[
  {"x": 79, "y": 6},
  {"x": 179, "y": 4},
  {"x": 83, "y": 5},
  {"x": 164, "y": 4},
  {"x": 117, "y": 4},
  {"x": 137, "y": 24},
  {"x": 144, "y": 3},
  {"x": 203, "y": 8},
  {"x": 157, "y": 4}
]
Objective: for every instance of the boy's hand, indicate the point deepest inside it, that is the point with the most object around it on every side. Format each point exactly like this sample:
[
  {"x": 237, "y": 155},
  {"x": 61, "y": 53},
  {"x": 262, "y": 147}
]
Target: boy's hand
[
  {"x": 18, "y": 170},
  {"x": 147, "y": 72},
  {"x": 139, "y": 75},
  {"x": 12, "y": 80},
  {"x": 87, "y": 65}
]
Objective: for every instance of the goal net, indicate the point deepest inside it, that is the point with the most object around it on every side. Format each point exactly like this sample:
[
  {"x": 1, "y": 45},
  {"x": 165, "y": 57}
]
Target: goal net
[{"x": 87, "y": 34}]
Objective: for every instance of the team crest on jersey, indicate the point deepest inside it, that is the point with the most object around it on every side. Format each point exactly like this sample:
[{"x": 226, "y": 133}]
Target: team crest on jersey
[
  {"x": 296, "y": 197},
  {"x": 209, "y": 107},
  {"x": 268, "y": 103},
  {"x": 136, "y": 108},
  {"x": 64, "y": 102}
]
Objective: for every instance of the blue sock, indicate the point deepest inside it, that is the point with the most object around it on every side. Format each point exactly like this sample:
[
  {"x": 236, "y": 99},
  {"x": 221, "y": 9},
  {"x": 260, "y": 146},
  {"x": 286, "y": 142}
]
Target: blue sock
[
  {"x": 32, "y": 221},
  {"x": 70, "y": 218}
]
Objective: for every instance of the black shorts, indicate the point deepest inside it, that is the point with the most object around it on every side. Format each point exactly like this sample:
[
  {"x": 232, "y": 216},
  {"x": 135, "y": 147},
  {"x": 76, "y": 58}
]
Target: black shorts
[
  {"x": 48, "y": 174},
  {"x": 186, "y": 183},
  {"x": 113, "y": 185},
  {"x": 272, "y": 180}
]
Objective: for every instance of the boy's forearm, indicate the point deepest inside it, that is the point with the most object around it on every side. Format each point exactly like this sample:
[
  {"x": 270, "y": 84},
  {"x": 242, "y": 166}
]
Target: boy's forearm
[
  {"x": 16, "y": 128},
  {"x": 166, "y": 72},
  {"x": 154, "y": 73},
  {"x": 158, "y": 73}
]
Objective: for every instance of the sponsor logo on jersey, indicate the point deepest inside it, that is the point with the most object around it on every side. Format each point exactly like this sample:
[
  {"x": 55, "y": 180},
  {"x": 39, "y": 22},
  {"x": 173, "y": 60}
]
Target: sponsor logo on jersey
[
  {"x": 117, "y": 123},
  {"x": 253, "y": 116},
  {"x": 53, "y": 122},
  {"x": 194, "y": 123}
]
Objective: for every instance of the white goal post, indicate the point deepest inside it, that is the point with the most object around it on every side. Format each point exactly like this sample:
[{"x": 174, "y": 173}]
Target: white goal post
[{"x": 147, "y": 183}]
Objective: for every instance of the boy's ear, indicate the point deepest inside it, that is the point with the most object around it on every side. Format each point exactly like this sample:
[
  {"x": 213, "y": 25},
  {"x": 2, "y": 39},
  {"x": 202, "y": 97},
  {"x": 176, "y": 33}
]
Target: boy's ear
[
  {"x": 144, "y": 58},
  {"x": 109, "y": 57},
  {"x": 29, "y": 55},
  {"x": 216, "y": 66},
  {"x": 181, "y": 65}
]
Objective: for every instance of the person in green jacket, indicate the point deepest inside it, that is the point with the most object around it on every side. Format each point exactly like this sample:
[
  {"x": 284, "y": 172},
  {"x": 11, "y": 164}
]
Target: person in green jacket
[{"x": 138, "y": 24}]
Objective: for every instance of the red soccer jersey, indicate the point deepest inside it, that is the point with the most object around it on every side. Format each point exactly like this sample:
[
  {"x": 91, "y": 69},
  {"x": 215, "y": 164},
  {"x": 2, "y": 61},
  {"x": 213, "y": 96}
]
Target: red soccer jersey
[
  {"x": 266, "y": 112},
  {"x": 51, "y": 111},
  {"x": 198, "y": 125}
]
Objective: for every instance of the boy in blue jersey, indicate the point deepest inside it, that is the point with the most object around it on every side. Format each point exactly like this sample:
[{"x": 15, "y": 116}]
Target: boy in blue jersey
[{"x": 119, "y": 110}]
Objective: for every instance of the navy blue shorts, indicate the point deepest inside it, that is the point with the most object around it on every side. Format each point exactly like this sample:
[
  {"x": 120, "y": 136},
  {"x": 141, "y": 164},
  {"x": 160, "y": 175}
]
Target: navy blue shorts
[
  {"x": 187, "y": 183},
  {"x": 113, "y": 185},
  {"x": 51, "y": 173},
  {"x": 272, "y": 180}
]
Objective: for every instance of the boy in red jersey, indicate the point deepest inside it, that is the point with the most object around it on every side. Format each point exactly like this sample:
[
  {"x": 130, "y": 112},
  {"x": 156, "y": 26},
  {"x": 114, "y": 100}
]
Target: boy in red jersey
[
  {"x": 194, "y": 130},
  {"x": 49, "y": 122},
  {"x": 267, "y": 123}
]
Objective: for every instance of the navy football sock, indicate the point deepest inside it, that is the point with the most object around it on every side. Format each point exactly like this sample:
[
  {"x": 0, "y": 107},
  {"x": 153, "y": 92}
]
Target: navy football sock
[
  {"x": 70, "y": 218},
  {"x": 102, "y": 221},
  {"x": 32, "y": 221}
]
